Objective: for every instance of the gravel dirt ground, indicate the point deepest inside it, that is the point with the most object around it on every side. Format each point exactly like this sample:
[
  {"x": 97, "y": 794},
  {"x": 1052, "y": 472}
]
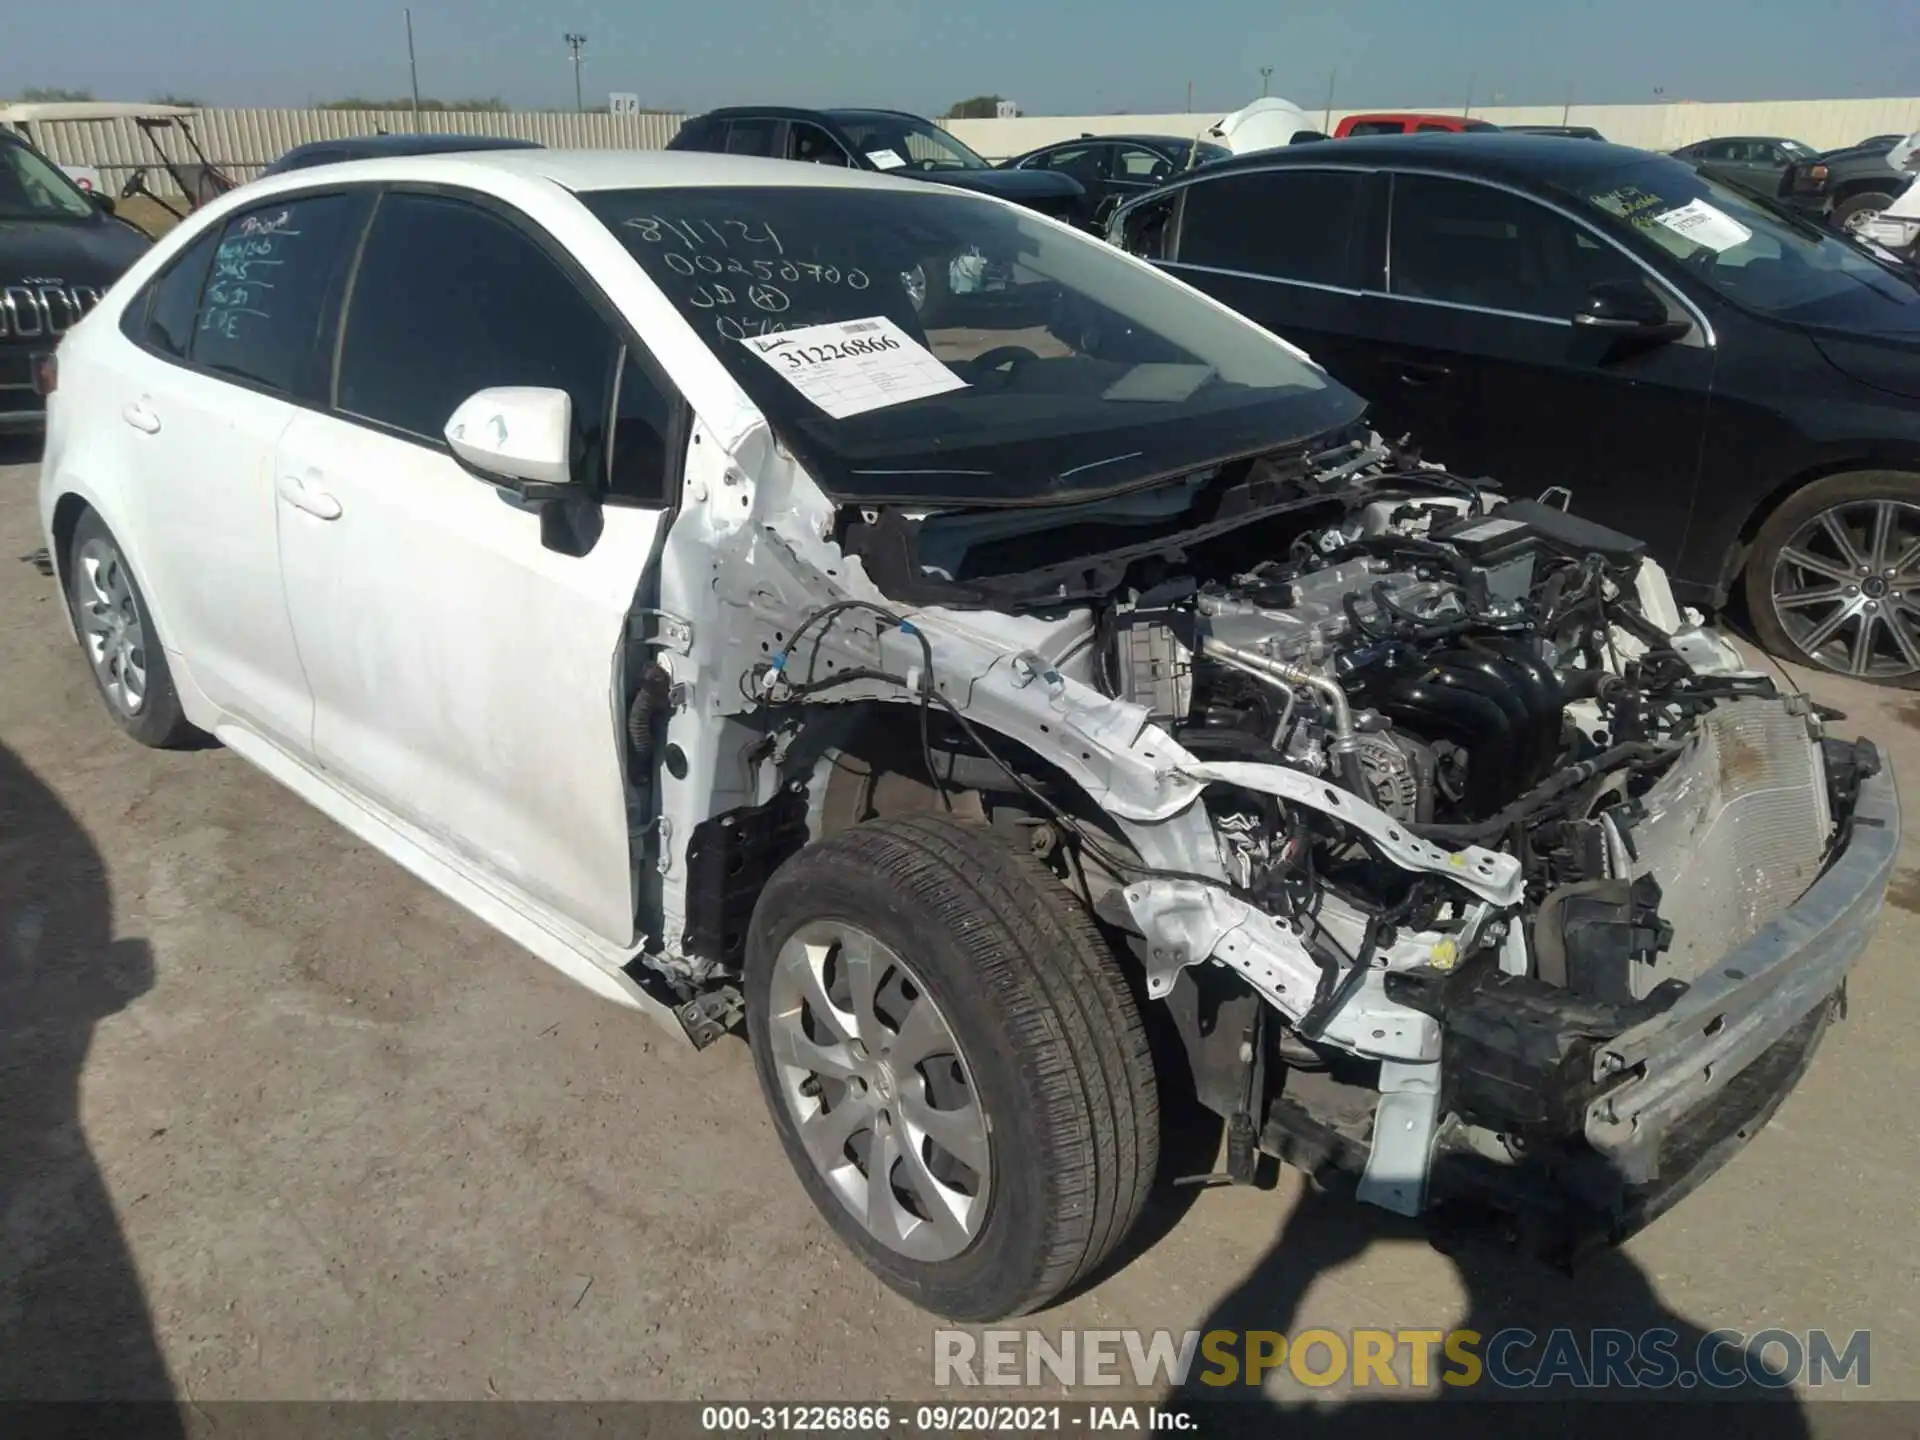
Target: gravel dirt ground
[{"x": 278, "y": 1121}]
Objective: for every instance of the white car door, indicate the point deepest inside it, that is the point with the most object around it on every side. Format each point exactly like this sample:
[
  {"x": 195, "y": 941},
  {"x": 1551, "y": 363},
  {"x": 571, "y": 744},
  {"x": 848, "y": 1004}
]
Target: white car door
[
  {"x": 224, "y": 348},
  {"x": 463, "y": 671}
]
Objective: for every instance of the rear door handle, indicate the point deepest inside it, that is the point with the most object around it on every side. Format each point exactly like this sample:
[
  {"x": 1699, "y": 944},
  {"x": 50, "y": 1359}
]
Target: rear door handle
[
  {"x": 303, "y": 496},
  {"x": 141, "y": 418},
  {"x": 1417, "y": 373}
]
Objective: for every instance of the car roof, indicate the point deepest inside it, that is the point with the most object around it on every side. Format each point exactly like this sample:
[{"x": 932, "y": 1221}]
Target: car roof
[
  {"x": 414, "y": 143},
  {"x": 586, "y": 171},
  {"x": 796, "y": 112},
  {"x": 1499, "y": 154},
  {"x": 1410, "y": 115},
  {"x": 1130, "y": 139}
]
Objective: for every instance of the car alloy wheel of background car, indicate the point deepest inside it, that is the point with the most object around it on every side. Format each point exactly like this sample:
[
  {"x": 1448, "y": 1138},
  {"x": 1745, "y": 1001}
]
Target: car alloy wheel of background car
[
  {"x": 1040, "y": 1131},
  {"x": 1843, "y": 590}
]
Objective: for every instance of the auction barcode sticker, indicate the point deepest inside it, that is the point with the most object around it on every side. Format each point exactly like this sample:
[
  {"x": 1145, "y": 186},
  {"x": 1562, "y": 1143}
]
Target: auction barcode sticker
[{"x": 848, "y": 367}]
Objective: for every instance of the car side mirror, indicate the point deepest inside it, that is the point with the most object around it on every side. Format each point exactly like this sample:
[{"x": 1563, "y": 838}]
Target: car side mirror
[
  {"x": 101, "y": 201},
  {"x": 1629, "y": 310},
  {"x": 519, "y": 437}
]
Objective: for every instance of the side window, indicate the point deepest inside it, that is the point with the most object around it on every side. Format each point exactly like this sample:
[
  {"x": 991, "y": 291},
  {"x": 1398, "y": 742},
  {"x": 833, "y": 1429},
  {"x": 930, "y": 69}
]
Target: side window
[
  {"x": 813, "y": 145},
  {"x": 449, "y": 299},
  {"x": 1144, "y": 230},
  {"x": 1283, "y": 224},
  {"x": 1427, "y": 125},
  {"x": 1475, "y": 245},
  {"x": 1377, "y": 127},
  {"x": 1082, "y": 162},
  {"x": 751, "y": 137},
  {"x": 642, "y": 415},
  {"x": 260, "y": 313},
  {"x": 1141, "y": 167},
  {"x": 162, "y": 319}
]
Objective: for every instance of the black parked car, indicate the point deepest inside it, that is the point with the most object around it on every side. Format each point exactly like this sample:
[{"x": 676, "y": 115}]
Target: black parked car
[
  {"x": 889, "y": 141},
  {"x": 376, "y": 147},
  {"x": 1849, "y": 187},
  {"x": 1754, "y": 162},
  {"x": 1698, "y": 366},
  {"x": 60, "y": 248},
  {"x": 1113, "y": 169}
]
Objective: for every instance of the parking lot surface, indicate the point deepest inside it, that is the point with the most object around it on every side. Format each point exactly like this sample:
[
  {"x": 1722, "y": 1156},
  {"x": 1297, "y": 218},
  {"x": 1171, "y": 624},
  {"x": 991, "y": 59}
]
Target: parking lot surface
[{"x": 276, "y": 1120}]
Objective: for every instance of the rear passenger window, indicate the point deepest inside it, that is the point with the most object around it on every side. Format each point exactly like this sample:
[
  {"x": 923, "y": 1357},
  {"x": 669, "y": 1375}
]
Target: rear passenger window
[
  {"x": 163, "y": 320},
  {"x": 449, "y": 299},
  {"x": 261, "y": 309},
  {"x": 1280, "y": 224},
  {"x": 750, "y": 137}
]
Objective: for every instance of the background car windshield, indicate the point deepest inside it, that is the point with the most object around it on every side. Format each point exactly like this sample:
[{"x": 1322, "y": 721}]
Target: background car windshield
[
  {"x": 1075, "y": 369},
  {"x": 35, "y": 189},
  {"x": 920, "y": 143},
  {"x": 1755, "y": 256},
  {"x": 1204, "y": 154}
]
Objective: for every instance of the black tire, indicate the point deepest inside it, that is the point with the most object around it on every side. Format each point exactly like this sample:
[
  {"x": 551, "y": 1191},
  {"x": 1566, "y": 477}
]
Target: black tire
[
  {"x": 1804, "y": 505},
  {"x": 1034, "y": 996},
  {"x": 1846, "y": 209},
  {"x": 157, "y": 720}
]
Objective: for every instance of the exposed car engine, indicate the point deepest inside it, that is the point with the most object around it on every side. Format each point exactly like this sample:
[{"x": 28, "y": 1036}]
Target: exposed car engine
[{"x": 1427, "y": 814}]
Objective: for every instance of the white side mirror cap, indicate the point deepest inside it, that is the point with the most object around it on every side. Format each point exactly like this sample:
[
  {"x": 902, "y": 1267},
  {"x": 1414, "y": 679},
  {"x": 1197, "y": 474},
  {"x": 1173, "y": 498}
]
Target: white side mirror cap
[{"x": 514, "y": 434}]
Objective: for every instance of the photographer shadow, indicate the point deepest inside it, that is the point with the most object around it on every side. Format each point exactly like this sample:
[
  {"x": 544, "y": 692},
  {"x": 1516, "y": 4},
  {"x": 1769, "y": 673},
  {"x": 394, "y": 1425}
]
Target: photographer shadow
[
  {"x": 1505, "y": 1290},
  {"x": 74, "y": 1321}
]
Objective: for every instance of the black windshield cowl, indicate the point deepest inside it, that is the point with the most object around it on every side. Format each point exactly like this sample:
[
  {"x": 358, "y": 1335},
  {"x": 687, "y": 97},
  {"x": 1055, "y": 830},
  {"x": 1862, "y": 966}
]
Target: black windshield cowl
[{"x": 1220, "y": 520}]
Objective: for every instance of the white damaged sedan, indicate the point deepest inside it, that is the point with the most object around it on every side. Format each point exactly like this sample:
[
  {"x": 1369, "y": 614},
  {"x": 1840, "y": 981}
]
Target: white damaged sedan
[{"x": 939, "y": 641}]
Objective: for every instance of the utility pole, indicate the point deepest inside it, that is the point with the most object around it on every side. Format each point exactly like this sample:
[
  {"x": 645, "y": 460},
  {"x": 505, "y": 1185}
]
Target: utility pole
[
  {"x": 1467, "y": 109},
  {"x": 1326, "y": 120},
  {"x": 413, "y": 70},
  {"x": 575, "y": 44},
  {"x": 1266, "y": 74},
  {"x": 1189, "y": 97}
]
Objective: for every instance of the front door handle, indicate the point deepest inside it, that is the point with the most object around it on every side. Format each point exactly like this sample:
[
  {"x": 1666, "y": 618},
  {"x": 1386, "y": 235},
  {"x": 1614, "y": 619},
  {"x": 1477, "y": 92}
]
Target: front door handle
[
  {"x": 141, "y": 418},
  {"x": 303, "y": 496}
]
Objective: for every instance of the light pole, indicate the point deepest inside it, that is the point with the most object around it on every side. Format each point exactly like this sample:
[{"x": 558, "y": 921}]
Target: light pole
[
  {"x": 413, "y": 70},
  {"x": 575, "y": 44},
  {"x": 1266, "y": 74}
]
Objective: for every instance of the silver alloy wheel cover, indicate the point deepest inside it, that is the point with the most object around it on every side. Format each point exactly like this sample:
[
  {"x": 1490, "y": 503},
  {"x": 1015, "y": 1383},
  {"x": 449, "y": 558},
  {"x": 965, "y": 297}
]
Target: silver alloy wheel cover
[
  {"x": 865, "y": 1077},
  {"x": 1846, "y": 588},
  {"x": 110, "y": 627},
  {"x": 1857, "y": 222}
]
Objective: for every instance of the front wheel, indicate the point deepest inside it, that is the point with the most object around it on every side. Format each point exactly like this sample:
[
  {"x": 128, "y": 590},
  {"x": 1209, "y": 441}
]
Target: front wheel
[
  {"x": 1856, "y": 212},
  {"x": 1834, "y": 578},
  {"x": 953, "y": 1061}
]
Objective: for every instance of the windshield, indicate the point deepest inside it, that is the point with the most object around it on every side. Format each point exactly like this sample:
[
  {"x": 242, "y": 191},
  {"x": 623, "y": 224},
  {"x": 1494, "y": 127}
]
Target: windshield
[
  {"x": 33, "y": 188},
  {"x": 913, "y": 143},
  {"x": 922, "y": 346},
  {"x": 1755, "y": 256}
]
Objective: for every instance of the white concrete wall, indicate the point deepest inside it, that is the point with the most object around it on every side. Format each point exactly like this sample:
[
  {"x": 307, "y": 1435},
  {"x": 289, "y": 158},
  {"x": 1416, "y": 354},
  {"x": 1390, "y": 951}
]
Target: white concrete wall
[{"x": 1823, "y": 124}]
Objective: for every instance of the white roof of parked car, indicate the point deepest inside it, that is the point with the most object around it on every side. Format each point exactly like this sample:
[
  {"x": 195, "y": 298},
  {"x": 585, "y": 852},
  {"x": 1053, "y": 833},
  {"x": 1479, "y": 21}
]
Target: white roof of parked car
[
  {"x": 31, "y": 110},
  {"x": 587, "y": 170}
]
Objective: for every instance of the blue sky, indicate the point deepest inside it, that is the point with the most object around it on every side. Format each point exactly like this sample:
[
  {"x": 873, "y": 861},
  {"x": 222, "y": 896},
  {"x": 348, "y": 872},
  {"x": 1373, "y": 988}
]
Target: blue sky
[{"x": 1052, "y": 56}]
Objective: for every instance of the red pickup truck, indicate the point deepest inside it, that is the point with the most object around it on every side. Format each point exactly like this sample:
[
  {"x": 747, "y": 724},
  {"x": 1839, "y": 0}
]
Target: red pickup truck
[{"x": 1394, "y": 124}]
